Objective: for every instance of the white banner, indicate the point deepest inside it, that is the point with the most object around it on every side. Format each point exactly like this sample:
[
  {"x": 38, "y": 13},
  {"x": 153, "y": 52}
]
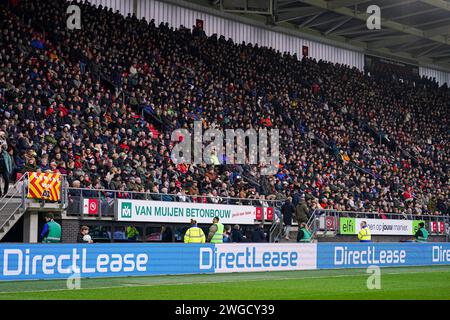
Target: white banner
[
  {"x": 386, "y": 226},
  {"x": 259, "y": 257},
  {"x": 182, "y": 212}
]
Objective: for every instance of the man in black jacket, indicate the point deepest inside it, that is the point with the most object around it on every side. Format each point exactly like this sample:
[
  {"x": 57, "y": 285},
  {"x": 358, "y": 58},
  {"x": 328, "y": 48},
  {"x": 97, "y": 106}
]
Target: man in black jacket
[
  {"x": 236, "y": 234},
  {"x": 84, "y": 231},
  {"x": 287, "y": 210},
  {"x": 258, "y": 234}
]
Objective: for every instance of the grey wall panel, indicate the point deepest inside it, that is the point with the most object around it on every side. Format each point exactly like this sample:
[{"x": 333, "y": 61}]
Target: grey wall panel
[
  {"x": 441, "y": 76},
  {"x": 123, "y": 6}
]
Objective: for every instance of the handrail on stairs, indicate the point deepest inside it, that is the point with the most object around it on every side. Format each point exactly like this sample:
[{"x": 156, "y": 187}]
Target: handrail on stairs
[
  {"x": 7, "y": 197},
  {"x": 19, "y": 186}
]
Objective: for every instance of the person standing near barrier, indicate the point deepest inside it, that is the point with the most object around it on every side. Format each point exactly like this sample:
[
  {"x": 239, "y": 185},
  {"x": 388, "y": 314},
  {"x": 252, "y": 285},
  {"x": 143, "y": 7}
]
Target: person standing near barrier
[
  {"x": 194, "y": 234},
  {"x": 288, "y": 211},
  {"x": 83, "y": 236},
  {"x": 132, "y": 233},
  {"x": 227, "y": 234},
  {"x": 51, "y": 233},
  {"x": 216, "y": 231},
  {"x": 303, "y": 235},
  {"x": 422, "y": 233},
  {"x": 5, "y": 168},
  {"x": 364, "y": 234},
  {"x": 301, "y": 211}
]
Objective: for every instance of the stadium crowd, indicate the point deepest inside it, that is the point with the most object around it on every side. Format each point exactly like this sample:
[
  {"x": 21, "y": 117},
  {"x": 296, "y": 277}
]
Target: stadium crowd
[{"x": 99, "y": 105}]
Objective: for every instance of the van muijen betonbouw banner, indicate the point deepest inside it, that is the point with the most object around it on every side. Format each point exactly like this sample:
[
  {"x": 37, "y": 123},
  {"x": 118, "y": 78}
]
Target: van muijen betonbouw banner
[{"x": 182, "y": 212}]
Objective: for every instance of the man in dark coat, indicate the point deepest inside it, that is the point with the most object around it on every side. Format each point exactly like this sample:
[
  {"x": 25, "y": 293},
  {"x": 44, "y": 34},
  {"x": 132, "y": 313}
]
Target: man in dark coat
[
  {"x": 287, "y": 211},
  {"x": 258, "y": 234},
  {"x": 301, "y": 211},
  {"x": 236, "y": 234}
]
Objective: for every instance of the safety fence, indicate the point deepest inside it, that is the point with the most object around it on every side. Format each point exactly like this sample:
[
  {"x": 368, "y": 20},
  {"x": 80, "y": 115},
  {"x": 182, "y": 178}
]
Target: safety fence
[
  {"x": 348, "y": 223},
  {"x": 62, "y": 261}
]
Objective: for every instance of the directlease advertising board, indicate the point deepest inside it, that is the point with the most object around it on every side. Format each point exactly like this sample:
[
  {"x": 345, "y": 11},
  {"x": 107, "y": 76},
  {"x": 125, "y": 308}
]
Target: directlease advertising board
[
  {"x": 379, "y": 226},
  {"x": 62, "y": 261},
  {"x": 248, "y": 257},
  {"x": 59, "y": 261},
  {"x": 362, "y": 255},
  {"x": 182, "y": 212}
]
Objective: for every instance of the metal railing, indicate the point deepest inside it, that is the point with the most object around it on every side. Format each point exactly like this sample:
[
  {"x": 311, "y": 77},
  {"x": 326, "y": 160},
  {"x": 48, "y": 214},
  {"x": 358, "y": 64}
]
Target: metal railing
[
  {"x": 326, "y": 220},
  {"x": 106, "y": 199},
  {"x": 19, "y": 191}
]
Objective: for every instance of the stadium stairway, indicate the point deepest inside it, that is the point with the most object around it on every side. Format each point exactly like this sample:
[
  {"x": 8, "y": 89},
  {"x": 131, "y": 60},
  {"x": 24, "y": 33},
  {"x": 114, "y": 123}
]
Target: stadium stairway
[
  {"x": 11, "y": 207},
  {"x": 10, "y": 213}
]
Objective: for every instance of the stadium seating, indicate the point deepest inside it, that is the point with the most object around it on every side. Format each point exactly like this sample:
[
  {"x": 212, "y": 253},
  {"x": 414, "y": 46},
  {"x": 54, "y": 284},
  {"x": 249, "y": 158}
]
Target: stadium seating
[{"x": 99, "y": 104}]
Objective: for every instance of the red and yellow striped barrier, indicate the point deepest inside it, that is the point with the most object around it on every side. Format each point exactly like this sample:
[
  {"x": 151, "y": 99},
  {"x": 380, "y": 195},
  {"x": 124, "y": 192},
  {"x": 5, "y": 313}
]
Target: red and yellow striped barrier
[{"x": 44, "y": 186}]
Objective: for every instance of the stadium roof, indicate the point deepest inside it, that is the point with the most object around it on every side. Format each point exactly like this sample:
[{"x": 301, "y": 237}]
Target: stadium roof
[{"x": 417, "y": 31}]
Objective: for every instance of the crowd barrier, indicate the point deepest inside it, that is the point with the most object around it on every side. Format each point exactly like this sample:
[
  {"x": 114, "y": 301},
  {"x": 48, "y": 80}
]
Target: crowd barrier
[{"x": 61, "y": 261}]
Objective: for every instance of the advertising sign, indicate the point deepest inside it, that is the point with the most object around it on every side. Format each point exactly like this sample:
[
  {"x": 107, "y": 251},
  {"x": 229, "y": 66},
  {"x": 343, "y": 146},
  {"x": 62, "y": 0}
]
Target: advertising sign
[
  {"x": 62, "y": 261},
  {"x": 379, "y": 226},
  {"x": 44, "y": 186},
  {"x": 433, "y": 227},
  {"x": 59, "y": 261},
  {"x": 362, "y": 255},
  {"x": 90, "y": 206},
  {"x": 182, "y": 212},
  {"x": 259, "y": 257}
]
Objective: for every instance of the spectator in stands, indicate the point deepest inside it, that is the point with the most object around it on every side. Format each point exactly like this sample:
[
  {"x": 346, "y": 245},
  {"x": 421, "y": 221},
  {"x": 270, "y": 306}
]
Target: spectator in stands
[
  {"x": 236, "y": 234},
  {"x": 6, "y": 167},
  {"x": 258, "y": 234},
  {"x": 302, "y": 211},
  {"x": 83, "y": 235},
  {"x": 227, "y": 237},
  {"x": 380, "y": 140},
  {"x": 288, "y": 211},
  {"x": 166, "y": 234}
]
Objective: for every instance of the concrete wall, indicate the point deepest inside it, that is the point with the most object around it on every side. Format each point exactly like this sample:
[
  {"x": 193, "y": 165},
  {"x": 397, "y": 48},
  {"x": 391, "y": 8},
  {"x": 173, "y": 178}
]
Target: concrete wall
[{"x": 70, "y": 229}]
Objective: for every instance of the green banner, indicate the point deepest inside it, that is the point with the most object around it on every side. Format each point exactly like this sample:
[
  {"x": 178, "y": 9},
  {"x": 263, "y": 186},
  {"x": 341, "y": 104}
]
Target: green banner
[{"x": 347, "y": 226}]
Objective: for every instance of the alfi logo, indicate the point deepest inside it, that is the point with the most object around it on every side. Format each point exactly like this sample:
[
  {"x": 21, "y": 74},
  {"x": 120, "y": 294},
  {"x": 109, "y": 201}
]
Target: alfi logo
[
  {"x": 125, "y": 210},
  {"x": 348, "y": 225}
]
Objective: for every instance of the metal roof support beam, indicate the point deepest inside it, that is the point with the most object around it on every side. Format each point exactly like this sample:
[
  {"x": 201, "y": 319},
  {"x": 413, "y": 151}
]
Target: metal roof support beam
[
  {"x": 345, "y": 3},
  {"x": 340, "y": 24},
  {"x": 409, "y": 46},
  {"x": 412, "y": 14},
  {"x": 438, "y": 4},
  {"x": 399, "y": 3},
  {"x": 389, "y": 41},
  {"x": 385, "y": 23},
  {"x": 373, "y": 35},
  {"x": 437, "y": 31},
  {"x": 293, "y": 14},
  {"x": 424, "y": 53},
  {"x": 319, "y": 23},
  {"x": 305, "y": 23}
]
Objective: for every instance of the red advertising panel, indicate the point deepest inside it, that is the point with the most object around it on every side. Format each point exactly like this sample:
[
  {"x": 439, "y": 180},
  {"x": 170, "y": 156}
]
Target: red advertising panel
[
  {"x": 269, "y": 214},
  {"x": 259, "y": 213},
  {"x": 441, "y": 227},
  {"x": 433, "y": 227},
  {"x": 330, "y": 223}
]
